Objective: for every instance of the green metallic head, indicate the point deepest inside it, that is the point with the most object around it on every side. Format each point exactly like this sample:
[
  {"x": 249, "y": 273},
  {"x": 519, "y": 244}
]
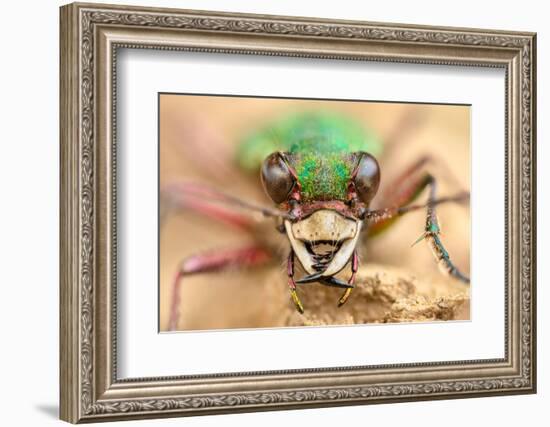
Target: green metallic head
[
  {"x": 309, "y": 179},
  {"x": 313, "y": 155},
  {"x": 325, "y": 181},
  {"x": 323, "y": 172}
]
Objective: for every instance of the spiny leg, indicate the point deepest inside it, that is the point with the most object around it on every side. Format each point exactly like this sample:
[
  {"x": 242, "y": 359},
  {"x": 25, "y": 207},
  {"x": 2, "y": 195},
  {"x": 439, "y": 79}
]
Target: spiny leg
[
  {"x": 431, "y": 235},
  {"x": 209, "y": 262},
  {"x": 412, "y": 185},
  {"x": 292, "y": 283}
]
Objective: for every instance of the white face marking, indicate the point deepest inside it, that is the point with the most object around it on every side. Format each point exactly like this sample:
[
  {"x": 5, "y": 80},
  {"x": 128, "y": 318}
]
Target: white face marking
[{"x": 325, "y": 235}]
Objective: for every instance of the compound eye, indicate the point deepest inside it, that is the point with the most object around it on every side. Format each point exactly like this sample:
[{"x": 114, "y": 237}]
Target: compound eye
[
  {"x": 277, "y": 178},
  {"x": 367, "y": 177}
]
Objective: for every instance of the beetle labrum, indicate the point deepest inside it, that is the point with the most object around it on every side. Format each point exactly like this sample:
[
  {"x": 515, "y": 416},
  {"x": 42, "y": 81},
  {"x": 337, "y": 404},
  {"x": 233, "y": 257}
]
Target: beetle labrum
[{"x": 321, "y": 172}]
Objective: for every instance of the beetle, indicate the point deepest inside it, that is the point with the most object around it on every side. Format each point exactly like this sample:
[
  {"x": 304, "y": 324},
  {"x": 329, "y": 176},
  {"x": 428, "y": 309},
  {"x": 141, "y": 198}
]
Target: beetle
[{"x": 320, "y": 170}]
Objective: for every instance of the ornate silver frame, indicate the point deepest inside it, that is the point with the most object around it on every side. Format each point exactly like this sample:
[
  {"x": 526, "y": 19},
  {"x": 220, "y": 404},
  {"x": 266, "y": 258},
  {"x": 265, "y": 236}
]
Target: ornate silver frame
[{"x": 90, "y": 36}]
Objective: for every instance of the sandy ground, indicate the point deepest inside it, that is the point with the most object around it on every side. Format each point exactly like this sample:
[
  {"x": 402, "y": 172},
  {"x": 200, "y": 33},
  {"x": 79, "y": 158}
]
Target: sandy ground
[
  {"x": 383, "y": 294},
  {"x": 395, "y": 283}
]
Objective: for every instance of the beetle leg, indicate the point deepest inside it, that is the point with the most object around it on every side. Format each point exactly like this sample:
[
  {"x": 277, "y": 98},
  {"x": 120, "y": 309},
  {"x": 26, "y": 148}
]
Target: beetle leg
[
  {"x": 213, "y": 203},
  {"x": 381, "y": 219},
  {"x": 386, "y": 217},
  {"x": 407, "y": 187},
  {"x": 209, "y": 262},
  {"x": 431, "y": 235},
  {"x": 292, "y": 283}
]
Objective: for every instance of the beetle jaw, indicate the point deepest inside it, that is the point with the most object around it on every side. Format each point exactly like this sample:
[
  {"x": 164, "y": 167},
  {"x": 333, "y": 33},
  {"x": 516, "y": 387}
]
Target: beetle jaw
[{"x": 324, "y": 241}]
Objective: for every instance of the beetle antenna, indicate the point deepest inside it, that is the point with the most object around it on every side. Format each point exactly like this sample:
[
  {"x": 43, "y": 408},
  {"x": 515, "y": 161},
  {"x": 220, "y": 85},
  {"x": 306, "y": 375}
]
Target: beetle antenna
[{"x": 379, "y": 215}]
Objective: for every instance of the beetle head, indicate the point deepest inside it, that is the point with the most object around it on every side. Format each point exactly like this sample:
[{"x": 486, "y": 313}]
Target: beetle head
[{"x": 327, "y": 198}]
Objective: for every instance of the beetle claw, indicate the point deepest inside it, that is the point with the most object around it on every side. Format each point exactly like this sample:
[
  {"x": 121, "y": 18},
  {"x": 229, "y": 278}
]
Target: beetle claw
[{"x": 422, "y": 237}]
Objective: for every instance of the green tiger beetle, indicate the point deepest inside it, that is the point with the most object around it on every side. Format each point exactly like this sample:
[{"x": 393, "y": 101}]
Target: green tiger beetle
[{"x": 320, "y": 171}]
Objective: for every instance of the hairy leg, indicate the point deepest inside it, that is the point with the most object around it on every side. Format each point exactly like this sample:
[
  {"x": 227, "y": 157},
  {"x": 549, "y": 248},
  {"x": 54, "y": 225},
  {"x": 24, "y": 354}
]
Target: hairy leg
[{"x": 213, "y": 261}]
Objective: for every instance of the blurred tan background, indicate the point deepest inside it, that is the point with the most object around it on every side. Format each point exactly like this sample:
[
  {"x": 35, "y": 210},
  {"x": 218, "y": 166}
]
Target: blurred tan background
[{"x": 198, "y": 139}]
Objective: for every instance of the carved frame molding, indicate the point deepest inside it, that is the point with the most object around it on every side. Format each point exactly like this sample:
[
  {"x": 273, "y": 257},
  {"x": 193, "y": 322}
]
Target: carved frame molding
[{"x": 90, "y": 37}]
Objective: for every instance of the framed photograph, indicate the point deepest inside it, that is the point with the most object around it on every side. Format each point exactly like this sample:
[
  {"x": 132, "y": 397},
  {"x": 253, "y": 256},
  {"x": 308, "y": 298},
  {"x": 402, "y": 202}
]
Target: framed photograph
[
  {"x": 322, "y": 143},
  {"x": 266, "y": 212}
]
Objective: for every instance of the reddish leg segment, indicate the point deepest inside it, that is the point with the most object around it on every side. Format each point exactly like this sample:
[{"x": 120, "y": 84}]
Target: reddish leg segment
[
  {"x": 405, "y": 189},
  {"x": 213, "y": 203},
  {"x": 213, "y": 261},
  {"x": 381, "y": 219}
]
